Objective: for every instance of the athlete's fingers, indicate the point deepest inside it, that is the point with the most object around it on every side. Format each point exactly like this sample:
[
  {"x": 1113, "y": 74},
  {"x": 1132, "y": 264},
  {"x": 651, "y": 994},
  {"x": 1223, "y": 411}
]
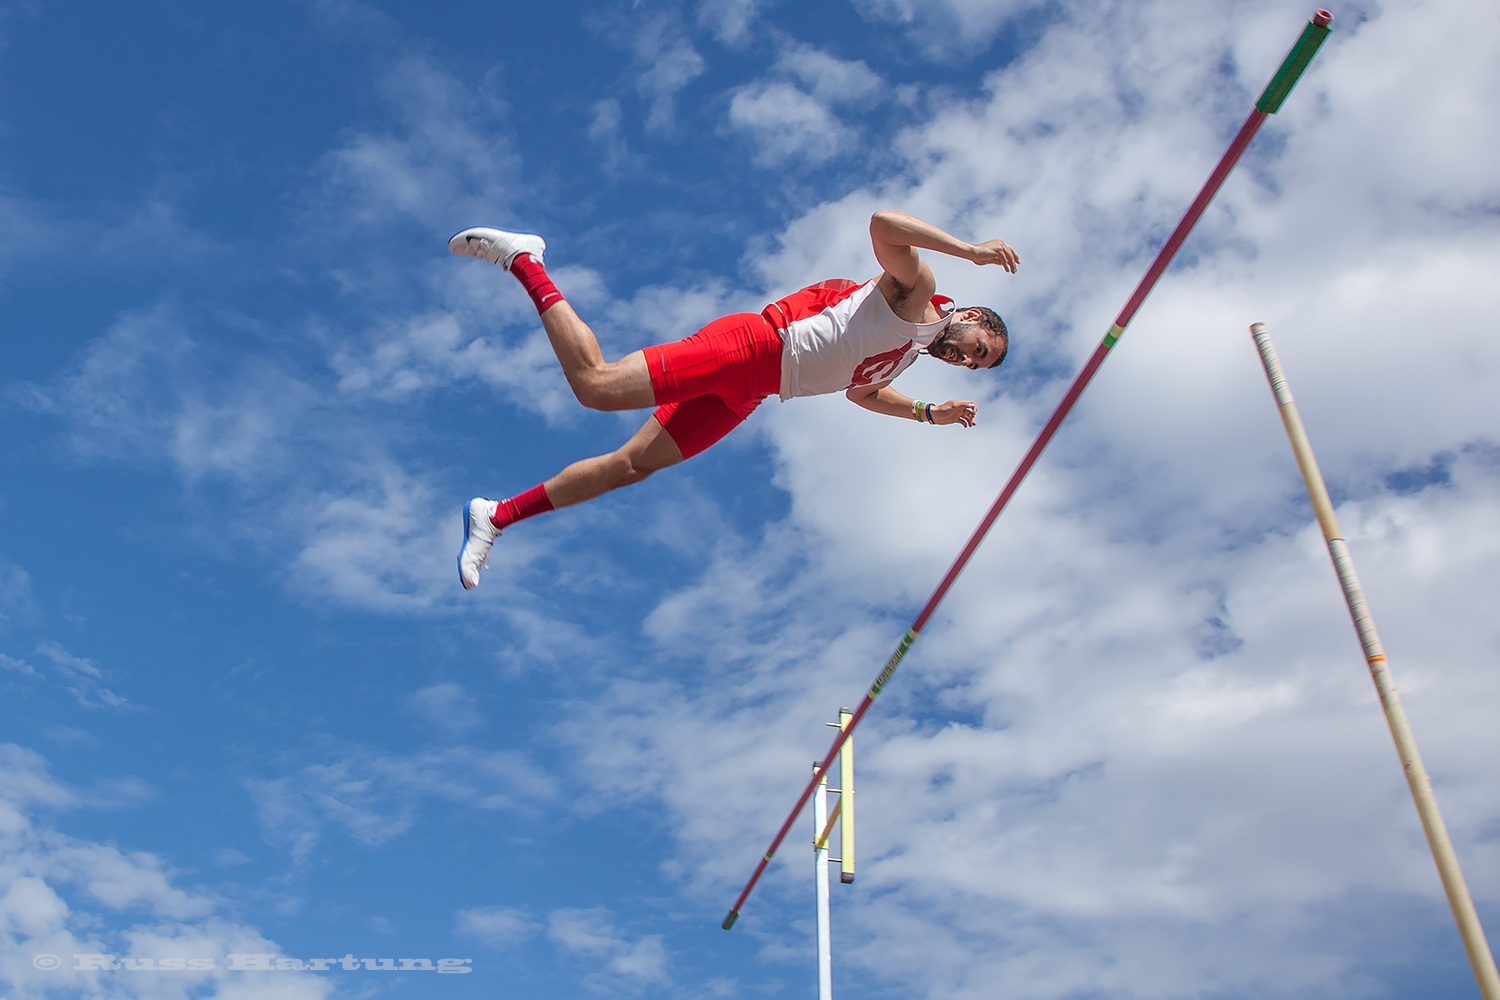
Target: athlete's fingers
[
  {"x": 1005, "y": 254},
  {"x": 958, "y": 411},
  {"x": 998, "y": 252}
]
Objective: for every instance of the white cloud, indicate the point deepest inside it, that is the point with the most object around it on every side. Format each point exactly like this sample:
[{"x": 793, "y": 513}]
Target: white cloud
[
  {"x": 22, "y": 223},
  {"x": 606, "y": 128},
  {"x": 16, "y": 600},
  {"x": 827, "y": 77},
  {"x": 376, "y": 544},
  {"x": 785, "y": 122},
  {"x": 296, "y": 448},
  {"x": 18, "y": 666},
  {"x": 1136, "y": 752},
  {"x": 68, "y": 736},
  {"x": 142, "y": 389},
  {"x": 496, "y": 926},
  {"x": 592, "y": 933},
  {"x": 445, "y": 164},
  {"x": 663, "y": 61},
  {"x": 60, "y": 895},
  {"x": 730, "y": 21},
  {"x": 949, "y": 28},
  {"x": 465, "y": 343},
  {"x": 83, "y": 680},
  {"x": 447, "y": 706},
  {"x": 376, "y": 797}
]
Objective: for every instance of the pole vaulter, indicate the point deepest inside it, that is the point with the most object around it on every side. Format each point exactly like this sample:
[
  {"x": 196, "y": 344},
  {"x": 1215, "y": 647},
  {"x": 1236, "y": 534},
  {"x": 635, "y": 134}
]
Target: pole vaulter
[{"x": 1269, "y": 103}]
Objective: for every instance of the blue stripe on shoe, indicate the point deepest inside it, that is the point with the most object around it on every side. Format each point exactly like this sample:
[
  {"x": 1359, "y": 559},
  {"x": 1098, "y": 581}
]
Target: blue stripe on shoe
[{"x": 465, "y": 546}]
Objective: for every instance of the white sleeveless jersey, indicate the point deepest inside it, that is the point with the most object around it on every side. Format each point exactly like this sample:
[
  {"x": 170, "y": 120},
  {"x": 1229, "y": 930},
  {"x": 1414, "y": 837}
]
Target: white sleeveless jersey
[{"x": 838, "y": 335}]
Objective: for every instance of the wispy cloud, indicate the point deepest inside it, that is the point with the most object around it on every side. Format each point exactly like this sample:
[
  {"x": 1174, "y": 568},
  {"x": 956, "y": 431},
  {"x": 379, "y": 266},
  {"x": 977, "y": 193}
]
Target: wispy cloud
[
  {"x": 731, "y": 21},
  {"x": 787, "y": 121},
  {"x": 446, "y": 706},
  {"x": 627, "y": 960},
  {"x": 17, "y": 666},
  {"x": 946, "y": 28},
  {"x": 64, "y": 896},
  {"x": 83, "y": 680},
  {"x": 497, "y": 927},
  {"x": 376, "y": 797},
  {"x": 16, "y": 601},
  {"x": 146, "y": 389},
  {"x": 664, "y": 60},
  {"x": 445, "y": 161}
]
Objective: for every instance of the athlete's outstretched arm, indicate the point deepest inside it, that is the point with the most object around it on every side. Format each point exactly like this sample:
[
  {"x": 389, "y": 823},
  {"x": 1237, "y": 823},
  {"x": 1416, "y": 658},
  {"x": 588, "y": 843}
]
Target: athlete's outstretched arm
[
  {"x": 884, "y": 398},
  {"x": 897, "y": 236}
]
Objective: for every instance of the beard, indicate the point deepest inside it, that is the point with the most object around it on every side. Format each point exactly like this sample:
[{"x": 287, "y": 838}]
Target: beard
[{"x": 945, "y": 344}]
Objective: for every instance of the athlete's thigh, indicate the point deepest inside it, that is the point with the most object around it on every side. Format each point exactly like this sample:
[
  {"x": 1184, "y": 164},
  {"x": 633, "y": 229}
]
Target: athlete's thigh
[
  {"x": 725, "y": 358},
  {"x": 696, "y": 424},
  {"x": 651, "y": 448}
]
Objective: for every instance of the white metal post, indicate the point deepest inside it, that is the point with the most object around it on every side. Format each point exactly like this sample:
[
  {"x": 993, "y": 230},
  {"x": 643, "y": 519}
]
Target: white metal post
[{"x": 820, "y": 874}]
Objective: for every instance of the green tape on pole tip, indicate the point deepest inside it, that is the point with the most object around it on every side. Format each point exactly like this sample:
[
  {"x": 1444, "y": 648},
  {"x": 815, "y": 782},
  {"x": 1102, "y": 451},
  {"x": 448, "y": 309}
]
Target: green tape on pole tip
[
  {"x": 729, "y": 920},
  {"x": 1292, "y": 66}
]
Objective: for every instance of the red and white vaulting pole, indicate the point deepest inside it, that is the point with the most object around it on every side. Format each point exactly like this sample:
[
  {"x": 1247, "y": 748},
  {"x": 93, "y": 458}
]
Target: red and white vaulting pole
[{"x": 1270, "y": 101}]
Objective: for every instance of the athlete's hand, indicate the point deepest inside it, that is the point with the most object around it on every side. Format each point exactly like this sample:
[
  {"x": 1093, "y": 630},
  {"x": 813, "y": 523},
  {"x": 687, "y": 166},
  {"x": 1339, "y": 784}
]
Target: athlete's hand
[
  {"x": 955, "y": 411},
  {"x": 996, "y": 252}
]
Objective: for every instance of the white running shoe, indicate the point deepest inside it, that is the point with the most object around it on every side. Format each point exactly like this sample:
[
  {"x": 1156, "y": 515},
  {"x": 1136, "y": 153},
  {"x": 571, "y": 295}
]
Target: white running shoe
[
  {"x": 496, "y": 245},
  {"x": 479, "y": 534}
]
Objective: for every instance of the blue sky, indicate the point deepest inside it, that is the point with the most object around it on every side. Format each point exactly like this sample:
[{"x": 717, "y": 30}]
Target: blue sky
[{"x": 245, "y": 392}]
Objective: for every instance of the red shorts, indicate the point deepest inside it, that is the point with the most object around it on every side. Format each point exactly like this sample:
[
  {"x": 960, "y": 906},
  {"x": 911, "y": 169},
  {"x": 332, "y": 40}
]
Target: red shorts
[{"x": 709, "y": 383}]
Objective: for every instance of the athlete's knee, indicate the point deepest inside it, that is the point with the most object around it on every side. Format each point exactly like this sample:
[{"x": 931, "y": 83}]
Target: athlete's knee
[
  {"x": 627, "y": 469},
  {"x": 587, "y": 388},
  {"x": 595, "y": 388}
]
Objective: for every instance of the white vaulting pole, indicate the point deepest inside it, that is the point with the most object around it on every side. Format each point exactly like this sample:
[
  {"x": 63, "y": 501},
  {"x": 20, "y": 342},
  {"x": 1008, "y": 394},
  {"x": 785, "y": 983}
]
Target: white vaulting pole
[
  {"x": 1469, "y": 929},
  {"x": 820, "y": 875}
]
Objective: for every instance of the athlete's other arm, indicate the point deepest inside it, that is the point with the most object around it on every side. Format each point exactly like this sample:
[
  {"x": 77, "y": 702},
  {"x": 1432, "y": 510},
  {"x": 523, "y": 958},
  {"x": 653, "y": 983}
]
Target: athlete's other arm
[
  {"x": 883, "y": 398},
  {"x": 907, "y": 283}
]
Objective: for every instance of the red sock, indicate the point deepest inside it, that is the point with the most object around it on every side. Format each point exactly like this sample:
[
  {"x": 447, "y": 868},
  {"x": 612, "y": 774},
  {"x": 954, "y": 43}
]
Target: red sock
[
  {"x": 521, "y": 506},
  {"x": 529, "y": 271}
]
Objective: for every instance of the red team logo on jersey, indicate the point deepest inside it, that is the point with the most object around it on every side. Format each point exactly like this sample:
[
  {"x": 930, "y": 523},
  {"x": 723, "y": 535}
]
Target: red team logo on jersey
[{"x": 879, "y": 367}]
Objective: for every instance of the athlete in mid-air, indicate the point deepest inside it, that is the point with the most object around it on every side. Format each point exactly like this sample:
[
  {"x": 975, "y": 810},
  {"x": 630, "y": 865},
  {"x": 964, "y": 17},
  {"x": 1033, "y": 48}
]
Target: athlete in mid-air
[{"x": 835, "y": 336}]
